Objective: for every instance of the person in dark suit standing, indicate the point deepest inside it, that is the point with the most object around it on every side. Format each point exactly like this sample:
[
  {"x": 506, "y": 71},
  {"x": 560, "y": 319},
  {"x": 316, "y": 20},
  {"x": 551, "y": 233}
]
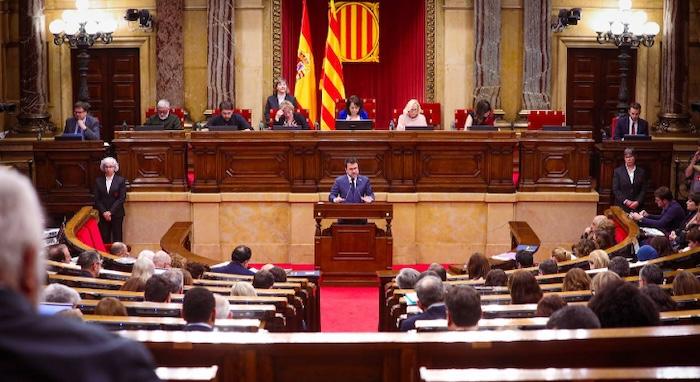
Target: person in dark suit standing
[
  {"x": 110, "y": 194},
  {"x": 199, "y": 310},
  {"x": 49, "y": 348},
  {"x": 431, "y": 300},
  {"x": 274, "y": 101},
  {"x": 351, "y": 187},
  {"x": 629, "y": 183},
  {"x": 83, "y": 124},
  {"x": 239, "y": 262},
  {"x": 631, "y": 123}
]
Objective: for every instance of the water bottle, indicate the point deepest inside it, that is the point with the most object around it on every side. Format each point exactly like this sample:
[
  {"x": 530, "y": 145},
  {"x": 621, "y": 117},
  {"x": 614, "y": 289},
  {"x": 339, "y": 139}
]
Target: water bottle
[
  {"x": 125, "y": 127},
  {"x": 391, "y": 124}
]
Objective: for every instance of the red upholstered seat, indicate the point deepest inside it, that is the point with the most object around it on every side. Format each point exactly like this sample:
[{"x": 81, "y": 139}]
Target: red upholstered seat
[
  {"x": 620, "y": 233},
  {"x": 461, "y": 118},
  {"x": 369, "y": 104},
  {"x": 613, "y": 127},
  {"x": 89, "y": 234},
  {"x": 433, "y": 114},
  {"x": 178, "y": 111},
  {"x": 247, "y": 114},
  {"x": 538, "y": 118}
]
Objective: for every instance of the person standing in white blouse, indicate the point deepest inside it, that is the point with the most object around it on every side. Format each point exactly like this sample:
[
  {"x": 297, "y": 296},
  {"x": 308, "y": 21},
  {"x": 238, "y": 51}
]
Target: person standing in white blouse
[{"x": 110, "y": 194}]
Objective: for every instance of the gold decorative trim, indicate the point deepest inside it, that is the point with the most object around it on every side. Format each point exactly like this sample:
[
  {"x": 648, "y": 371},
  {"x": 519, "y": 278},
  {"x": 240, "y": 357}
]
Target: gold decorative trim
[
  {"x": 430, "y": 50},
  {"x": 276, "y": 39}
]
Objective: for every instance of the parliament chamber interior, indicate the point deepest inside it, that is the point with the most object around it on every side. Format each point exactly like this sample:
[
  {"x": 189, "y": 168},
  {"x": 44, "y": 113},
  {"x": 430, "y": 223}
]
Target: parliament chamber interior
[{"x": 382, "y": 190}]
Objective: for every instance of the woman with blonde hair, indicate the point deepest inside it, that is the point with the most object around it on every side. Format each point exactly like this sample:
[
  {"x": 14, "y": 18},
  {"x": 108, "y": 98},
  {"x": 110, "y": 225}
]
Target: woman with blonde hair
[
  {"x": 412, "y": 116},
  {"x": 602, "y": 279},
  {"x": 685, "y": 283},
  {"x": 598, "y": 259},
  {"x": 560, "y": 254},
  {"x": 576, "y": 279},
  {"x": 242, "y": 288},
  {"x": 289, "y": 118},
  {"x": 143, "y": 270}
]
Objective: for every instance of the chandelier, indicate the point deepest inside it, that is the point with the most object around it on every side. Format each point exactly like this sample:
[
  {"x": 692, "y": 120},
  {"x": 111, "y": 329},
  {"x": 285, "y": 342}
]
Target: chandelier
[
  {"x": 623, "y": 27},
  {"x": 82, "y": 27}
]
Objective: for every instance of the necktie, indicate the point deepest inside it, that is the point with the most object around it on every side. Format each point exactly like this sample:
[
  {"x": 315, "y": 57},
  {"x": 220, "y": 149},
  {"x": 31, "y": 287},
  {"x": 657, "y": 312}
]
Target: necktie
[
  {"x": 353, "y": 183},
  {"x": 634, "y": 128}
]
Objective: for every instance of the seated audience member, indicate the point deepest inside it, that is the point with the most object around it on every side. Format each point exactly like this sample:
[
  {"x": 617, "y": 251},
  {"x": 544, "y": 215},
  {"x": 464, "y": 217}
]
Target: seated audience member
[
  {"x": 584, "y": 247},
  {"x": 603, "y": 238},
  {"x": 524, "y": 259},
  {"x": 619, "y": 265},
  {"x": 164, "y": 118},
  {"x": 147, "y": 253},
  {"x": 60, "y": 294},
  {"x": 162, "y": 260},
  {"x": 573, "y": 317},
  {"x": 228, "y": 118},
  {"x": 83, "y": 124},
  {"x": 662, "y": 245},
  {"x": 197, "y": 269},
  {"x": 176, "y": 280},
  {"x": 622, "y": 305},
  {"x": 110, "y": 306},
  {"x": 35, "y": 348},
  {"x": 646, "y": 252},
  {"x": 187, "y": 277},
  {"x": 671, "y": 217},
  {"x": 121, "y": 250},
  {"x": 177, "y": 261},
  {"x": 407, "y": 277},
  {"x": 482, "y": 115},
  {"x": 685, "y": 283},
  {"x": 199, "y": 310},
  {"x": 524, "y": 288},
  {"x": 223, "y": 307},
  {"x": 142, "y": 270},
  {"x": 548, "y": 267},
  {"x": 431, "y": 297},
  {"x": 463, "y": 305},
  {"x": 598, "y": 259},
  {"x": 629, "y": 183},
  {"x": 651, "y": 274},
  {"x": 412, "y": 116},
  {"x": 90, "y": 264},
  {"x": 354, "y": 110},
  {"x": 478, "y": 266},
  {"x": 576, "y": 279},
  {"x": 239, "y": 262},
  {"x": 242, "y": 288},
  {"x": 496, "y": 277},
  {"x": 560, "y": 254},
  {"x": 595, "y": 224},
  {"x": 290, "y": 118},
  {"x": 693, "y": 238},
  {"x": 663, "y": 300},
  {"x": 602, "y": 279},
  {"x": 549, "y": 304},
  {"x": 59, "y": 253},
  {"x": 157, "y": 289},
  {"x": 440, "y": 270},
  {"x": 279, "y": 274},
  {"x": 263, "y": 279},
  {"x": 692, "y": 219}
]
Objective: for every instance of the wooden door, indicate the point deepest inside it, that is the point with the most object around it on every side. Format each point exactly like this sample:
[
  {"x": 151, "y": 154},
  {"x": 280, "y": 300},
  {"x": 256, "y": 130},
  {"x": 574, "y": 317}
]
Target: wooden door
[
  {"x": 592, "y": 85},
  {"x": 114, "y": 87}
]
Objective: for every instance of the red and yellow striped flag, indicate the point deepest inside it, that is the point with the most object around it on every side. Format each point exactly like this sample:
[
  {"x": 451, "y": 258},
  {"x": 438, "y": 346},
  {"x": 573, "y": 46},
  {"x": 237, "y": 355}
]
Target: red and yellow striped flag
[
  {"x": 305, "y": 87},
  {"x": 332, "y": 87}
]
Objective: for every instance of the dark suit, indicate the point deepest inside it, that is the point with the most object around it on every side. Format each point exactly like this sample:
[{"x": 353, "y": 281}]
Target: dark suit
[
  {"x": 198, "y": 327},
  {"x": 92, "y": 133},
  {"x": 111, "y": 200},
  {"x": 233, "y": 268},
  {"x": 273, "y": 103},
  {"x": 623, "y": 127},
  {"x": 171, "y": 122},
  {"x": 623, "y": 189},
  {"x": 236, "y": 120},
  {"x": 40, "y": 348},
  {"x": 434, "y": 312},
  {"x": 671, "y": 217},
  {"x": 344, "y": 189}
]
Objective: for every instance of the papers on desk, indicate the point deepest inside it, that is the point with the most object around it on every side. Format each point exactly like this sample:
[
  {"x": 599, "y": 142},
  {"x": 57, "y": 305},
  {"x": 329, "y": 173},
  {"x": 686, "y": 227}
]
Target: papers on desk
[
  {"x": 51, "y": 236},
  {"x": 506, "y": 256},
  {"x": 411, "y": 299},
  {"x": 652, "y": 231}
]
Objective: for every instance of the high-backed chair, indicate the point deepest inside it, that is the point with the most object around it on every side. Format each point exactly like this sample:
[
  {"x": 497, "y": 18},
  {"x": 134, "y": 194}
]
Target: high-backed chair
[
  {"x": 613, "y": 127},
  {"x": 433, "y": 114},
  {"x": 178, "y": 111},
  {"x": 247, "y": 114},
  {"x": 461, "y": 118},
  {"x": 369, "y": 104},
  {"x": 538, "y": 118}
]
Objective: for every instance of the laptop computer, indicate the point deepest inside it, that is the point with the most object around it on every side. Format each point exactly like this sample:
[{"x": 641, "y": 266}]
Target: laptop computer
[
  {"x": 420, "y": 128},
  {"x": 482, "y": 128},
  {"x": 364, "y": 124},
  {"x": 556, "y": 128},
  {"x": 283, "y": 127},
  {"x": 631, "y": 137},
  {"x": 69, "y": 137}
]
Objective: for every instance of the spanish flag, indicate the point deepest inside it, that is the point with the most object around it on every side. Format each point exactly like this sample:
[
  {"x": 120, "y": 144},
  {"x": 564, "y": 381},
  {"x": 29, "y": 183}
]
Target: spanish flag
[
  {"x": 305, "y": 87},
  {"x": 332, "y": 87}
]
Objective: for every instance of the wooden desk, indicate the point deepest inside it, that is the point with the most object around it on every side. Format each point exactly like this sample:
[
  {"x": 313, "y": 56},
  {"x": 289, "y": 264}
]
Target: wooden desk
[
  {"x": 168, "y": 323},
  {"x": 687, "y": 373}
]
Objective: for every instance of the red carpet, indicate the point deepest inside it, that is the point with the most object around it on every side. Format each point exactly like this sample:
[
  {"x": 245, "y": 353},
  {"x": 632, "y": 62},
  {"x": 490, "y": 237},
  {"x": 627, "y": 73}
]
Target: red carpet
[{"x": 349, "y": 309}]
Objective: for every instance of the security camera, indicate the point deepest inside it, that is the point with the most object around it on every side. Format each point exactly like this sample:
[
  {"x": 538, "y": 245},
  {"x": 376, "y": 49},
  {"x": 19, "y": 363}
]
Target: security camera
[
  {"x": 132, "y": 14},
  {"x": 8, "y": 107},
  {"x": 565, "y": 18},
  {"x": 573, "y": 16},
  {"x": 143, "y": 16}
]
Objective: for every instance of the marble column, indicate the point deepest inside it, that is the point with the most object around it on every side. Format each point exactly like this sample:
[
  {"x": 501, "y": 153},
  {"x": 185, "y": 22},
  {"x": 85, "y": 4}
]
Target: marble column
[
  {"x": 170, "y": 60},
  {"x": 33, "y": 117},
  {"x": 487, "y": 67},
  {"x": 220, "y": 52},
  {"x": 674, "y": 117},
  {"x": 537, "y": 45}
]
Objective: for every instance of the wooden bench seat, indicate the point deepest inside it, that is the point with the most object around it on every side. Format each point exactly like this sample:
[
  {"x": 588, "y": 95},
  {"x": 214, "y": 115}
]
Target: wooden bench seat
[
  {"x": 168, "y": 323},
  {"x": 687, "y": 373},
  {"x": 157, "y": 309},
  {"x": 74, "y": 270}
]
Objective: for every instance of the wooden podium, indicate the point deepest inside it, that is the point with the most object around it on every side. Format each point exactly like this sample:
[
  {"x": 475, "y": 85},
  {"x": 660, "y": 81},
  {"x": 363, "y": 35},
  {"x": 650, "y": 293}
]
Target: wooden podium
[{"x": 352, "y": 253}]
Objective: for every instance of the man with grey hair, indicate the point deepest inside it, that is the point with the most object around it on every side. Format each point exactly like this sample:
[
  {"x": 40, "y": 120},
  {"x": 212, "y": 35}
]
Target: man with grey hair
[
  {"x": 176, "y": 279},
  {"x": 407, "y": 277},
  {"x": 61, "y": 294},
  {"x": 223, "y": 307},
  {"x": 431, "y": 300},
  {"x": 39, "y": 348},
  {"x": 90, "y": 264},
  {"x": 164, "y": 118},
  {"x": 162, "y": 260},
  {"x": 121, "y": 250}
]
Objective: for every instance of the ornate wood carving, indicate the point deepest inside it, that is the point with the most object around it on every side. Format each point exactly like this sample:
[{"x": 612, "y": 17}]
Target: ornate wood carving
[
  {"x": 276, "y": 38},
  {"x": 430, "y": 50}
]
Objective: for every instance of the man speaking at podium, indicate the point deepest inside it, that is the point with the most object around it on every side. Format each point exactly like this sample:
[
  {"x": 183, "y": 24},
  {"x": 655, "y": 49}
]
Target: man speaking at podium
[{"x": 351, "y": 187}]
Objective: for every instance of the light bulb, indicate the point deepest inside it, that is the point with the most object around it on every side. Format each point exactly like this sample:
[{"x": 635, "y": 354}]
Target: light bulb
[
  {"x": 57, "y": 26},
  {"x": 637, "y": 29},
  {"x": 109, "y": 25},
  {"x": 92, "y": 27},
  {"x": 626, "y": 17},
  {"x": 617, "y": 28},
  {"x": 600, "y": 25},
  {"x": 639, "y": 17},
  {"x": 651, "y": 28},
  {"x": 72, "y": 28},
  {"x": 69, "y": 16},
  {"x": 625, "y": 5}
]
